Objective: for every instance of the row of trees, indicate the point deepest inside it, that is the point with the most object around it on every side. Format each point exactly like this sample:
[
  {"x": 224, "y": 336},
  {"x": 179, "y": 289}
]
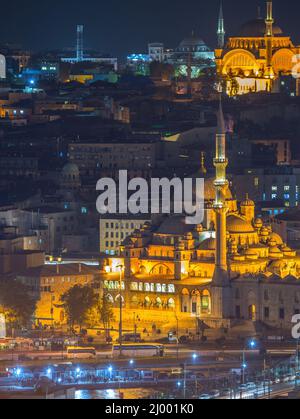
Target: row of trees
[
  {"x": 16, "y": 304},
  {"x": 81, "y": 304}
]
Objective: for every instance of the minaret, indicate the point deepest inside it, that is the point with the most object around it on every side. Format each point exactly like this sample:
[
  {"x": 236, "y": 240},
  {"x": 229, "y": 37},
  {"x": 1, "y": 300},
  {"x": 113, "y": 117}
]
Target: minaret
[
  {"x": 220, "y": 206},
  {"x": 221, "y": 29},
  {"x": 269, "y": 38}
]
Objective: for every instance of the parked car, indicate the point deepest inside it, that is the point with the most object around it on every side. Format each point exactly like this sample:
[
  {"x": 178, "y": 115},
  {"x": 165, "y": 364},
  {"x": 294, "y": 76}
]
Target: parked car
[
  {"x": 214, "y": 394},
  {"x": 204, "y": 397}
]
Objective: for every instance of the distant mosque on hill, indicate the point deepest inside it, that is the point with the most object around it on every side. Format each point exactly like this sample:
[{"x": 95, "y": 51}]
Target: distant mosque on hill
[
  {"x": 231, "y": 271},
  {"x": 254, "y": 60}
]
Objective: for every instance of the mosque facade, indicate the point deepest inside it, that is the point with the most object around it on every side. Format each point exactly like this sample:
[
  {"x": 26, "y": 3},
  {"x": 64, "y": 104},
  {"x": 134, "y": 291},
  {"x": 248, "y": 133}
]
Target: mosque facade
[
  {"x": 231, "y": 269},
  {"x": 254, "y": 59}
]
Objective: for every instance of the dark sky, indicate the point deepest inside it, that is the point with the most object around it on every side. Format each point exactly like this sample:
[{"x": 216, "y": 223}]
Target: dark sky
[{"x": 123, "y": 26}]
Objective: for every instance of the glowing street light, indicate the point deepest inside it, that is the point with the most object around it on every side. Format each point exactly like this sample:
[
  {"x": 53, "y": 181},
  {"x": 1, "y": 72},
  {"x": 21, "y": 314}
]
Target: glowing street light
[
  {"x": 195, "y": 356},
  {"x": 131, "y": 362}
]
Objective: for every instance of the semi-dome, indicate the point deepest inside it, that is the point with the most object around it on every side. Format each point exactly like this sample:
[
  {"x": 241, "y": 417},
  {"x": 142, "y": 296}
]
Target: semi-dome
[
  {"x": 276, "y": 238},
  {"x": 257, "y": 29},
  {"x": 237, "y": 224}
]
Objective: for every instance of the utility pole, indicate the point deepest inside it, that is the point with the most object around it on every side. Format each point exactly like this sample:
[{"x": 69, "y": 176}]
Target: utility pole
[
  {"x": 297, "y": 364},
  {"x": 120, "y": 267},
  {"x": 177, "y": 338}
]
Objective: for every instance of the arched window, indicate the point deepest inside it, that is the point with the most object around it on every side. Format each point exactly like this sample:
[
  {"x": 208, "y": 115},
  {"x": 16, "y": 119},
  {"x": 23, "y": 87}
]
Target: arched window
[
  {"x": 205, "y": 302},
  {"x": 109, "y": 298},
  {"x": 158, "y": 287},
  {"x": 158, "y": 302},
  {"x": 171, "y": 288},
  {"x": 147, "y": 302}
]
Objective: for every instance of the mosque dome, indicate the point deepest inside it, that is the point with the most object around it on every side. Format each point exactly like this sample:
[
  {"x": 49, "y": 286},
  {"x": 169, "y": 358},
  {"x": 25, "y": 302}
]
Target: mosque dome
[
  {"x": 237, "y": 224},
  {"x": 208, "y": 244},
  {"x": 276, "y": 238},
  {"x": 247, "y": 202},
  {"x": 264, "y": 232},
  {"x": 257, "y": 29},
  {"x": 70, "y": 176},
  {"x": 192, "y": 44},
  {"x": 258, "y": 223},
  {"x": 70, "y": 169}
]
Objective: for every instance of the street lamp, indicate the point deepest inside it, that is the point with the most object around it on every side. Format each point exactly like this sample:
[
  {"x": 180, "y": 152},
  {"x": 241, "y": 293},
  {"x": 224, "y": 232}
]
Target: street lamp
[
  {"x": 297, "y": 365},
  {"x": 120, "y": 267},
  {"x": 251, "y": 345}
]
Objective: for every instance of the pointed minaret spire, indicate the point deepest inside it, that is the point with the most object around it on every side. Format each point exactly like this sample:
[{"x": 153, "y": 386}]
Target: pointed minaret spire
[
  {"x": 221, "y": 28},
  {"x": 269, "y": 19},
  {"x": 269, "y": 39}
]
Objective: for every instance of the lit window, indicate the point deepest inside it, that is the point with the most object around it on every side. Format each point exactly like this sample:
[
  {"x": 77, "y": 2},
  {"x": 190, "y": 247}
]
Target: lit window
[
  {"x": 171, "y": 289},
  {"x": 158, "y": 287}
]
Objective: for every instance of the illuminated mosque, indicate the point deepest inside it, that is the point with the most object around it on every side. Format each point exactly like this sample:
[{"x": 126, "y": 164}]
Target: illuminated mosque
[
  {"x": 253, "y": 60},
  {"x": 231, "y": 269}
]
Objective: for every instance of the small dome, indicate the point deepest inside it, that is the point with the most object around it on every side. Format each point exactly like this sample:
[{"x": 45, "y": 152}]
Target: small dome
[
  {"x": 257, "y": 29},
  {"x": 276, "y": 238},
  {"x": 70, "y": 169},
  {"x": 264, "y": 232},
  {"x": 237, "y": 224},
  {"x": 247, "y": 202},
  {"x": 258, "y": 223}
]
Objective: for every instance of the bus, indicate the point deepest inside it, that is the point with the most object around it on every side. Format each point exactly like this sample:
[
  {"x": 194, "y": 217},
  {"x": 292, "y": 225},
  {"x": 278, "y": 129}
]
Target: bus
[
  {"x": 138, "y": 350},
  {"x": 77, "y": 352}
]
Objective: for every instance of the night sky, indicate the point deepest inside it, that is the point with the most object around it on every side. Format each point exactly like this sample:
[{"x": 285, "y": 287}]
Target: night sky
[{"x": 124, "y": 26}]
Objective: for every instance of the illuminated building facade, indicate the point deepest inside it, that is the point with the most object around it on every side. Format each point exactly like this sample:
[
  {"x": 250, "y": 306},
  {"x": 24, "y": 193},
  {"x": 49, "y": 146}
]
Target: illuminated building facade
[
  {"x": 253, "y": 60},
  {"x": 232, "y": 269}
]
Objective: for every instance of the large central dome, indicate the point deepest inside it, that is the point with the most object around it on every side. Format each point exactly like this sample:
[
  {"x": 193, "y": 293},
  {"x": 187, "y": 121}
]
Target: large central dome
[
  {"x": 256, "y": 29},
  {"x": 192, "y": 44}
]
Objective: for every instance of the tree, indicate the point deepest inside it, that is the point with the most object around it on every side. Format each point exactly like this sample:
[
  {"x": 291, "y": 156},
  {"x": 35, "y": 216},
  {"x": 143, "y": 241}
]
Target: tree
[
  {"x": 106, "y": 313},
  {"x": 77, "y": 302},
  {"x": 16, "y": 303}
]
